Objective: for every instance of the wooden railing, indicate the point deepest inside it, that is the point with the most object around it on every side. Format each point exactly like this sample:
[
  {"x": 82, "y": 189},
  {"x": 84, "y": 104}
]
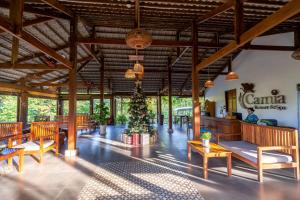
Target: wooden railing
[{"x": 270, "y": 136}]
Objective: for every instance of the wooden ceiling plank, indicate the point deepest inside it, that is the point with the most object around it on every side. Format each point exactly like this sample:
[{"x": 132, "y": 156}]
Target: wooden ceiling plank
[
  {"x": 34, "y": 42},
  {"x": 31, "y": 66},
  {"x": 290, "y": 9}
]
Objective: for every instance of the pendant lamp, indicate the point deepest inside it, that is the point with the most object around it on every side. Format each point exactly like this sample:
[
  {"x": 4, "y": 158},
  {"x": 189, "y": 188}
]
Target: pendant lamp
[
  {"x": 209, "y": 83},
  {"x": 231, "y": 76},
  {"x": 129, "y": 74}
]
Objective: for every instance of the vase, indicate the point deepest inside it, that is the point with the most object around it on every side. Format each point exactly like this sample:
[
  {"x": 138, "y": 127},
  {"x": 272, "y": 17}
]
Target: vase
[
  {"x": 102, "y": 129},
  {"x": 145, "y": 139},
  {"x": 205, "y": 143},
  {"x": 136, "y": 139}
]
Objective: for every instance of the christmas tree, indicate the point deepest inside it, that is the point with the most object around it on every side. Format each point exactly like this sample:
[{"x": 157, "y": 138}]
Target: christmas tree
[{"x": 139, "y": 119}]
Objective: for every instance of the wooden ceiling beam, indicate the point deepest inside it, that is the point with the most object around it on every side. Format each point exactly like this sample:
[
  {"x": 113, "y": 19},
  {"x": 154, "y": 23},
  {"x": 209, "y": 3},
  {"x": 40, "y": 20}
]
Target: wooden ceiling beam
[
  {"x": 15, "y": 16},
  {"x": 5, "y": 25},
  {"x": 58, "y": 6},
  {"x": 290, "y": 9},
  {"x": 10, "y": 87},
  {"x": 31, "y": 66}
]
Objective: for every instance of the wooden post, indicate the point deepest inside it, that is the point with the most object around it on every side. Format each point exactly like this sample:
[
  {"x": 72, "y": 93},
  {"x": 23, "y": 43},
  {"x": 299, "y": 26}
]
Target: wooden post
[
  {"x": 102, "y": 81},
  {"x": 15, "y": 15},
  {"x": 195, "y": 84},
  {"x": 159, "y": 109},
  {"x": 23, "y": 108},
  {"x": 170, "y": 130},
  {"x": 112, "y": 108},
  {"x": 238, "y": 20},
  {"x": 72, "y": 133},
  {"x": 60, "y": 107},
  {"x": 91, "y": 105}
]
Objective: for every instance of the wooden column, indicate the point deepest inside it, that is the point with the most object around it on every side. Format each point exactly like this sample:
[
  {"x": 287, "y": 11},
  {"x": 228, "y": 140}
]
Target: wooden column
[
  {"x": 158, "y": 109},
  {"x": 102, "y": 81},
  {"x": 238, "y": 20},
  {"x": 23, "y": 108},
  {"x": 170, "y": 130},
  {"x": 60, "y": 107},
  {"x": 112, "y": 109},
  {"x": 72, "y": 89},
  {"x": 195, "y": 84},
  {"x": 15, "y": 15},
  {"x": 91, "y": 105}
]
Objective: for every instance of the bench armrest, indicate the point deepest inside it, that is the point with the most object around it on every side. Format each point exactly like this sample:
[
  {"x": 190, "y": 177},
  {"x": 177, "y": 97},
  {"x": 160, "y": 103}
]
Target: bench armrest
[{"x": 224, "y": 135}]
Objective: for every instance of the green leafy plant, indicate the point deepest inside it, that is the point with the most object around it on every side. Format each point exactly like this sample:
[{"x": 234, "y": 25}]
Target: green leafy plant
[
  {"x": 152, "y": 116},
  {"x": 101, "y": 114},
  {"x": 122, "y": 119},
  {"x": 206, "y": 135}
]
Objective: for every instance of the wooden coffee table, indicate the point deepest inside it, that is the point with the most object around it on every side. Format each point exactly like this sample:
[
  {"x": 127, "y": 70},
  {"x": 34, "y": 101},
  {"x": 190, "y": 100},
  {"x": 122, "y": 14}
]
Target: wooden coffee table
[{"x": 215, "y": 151}]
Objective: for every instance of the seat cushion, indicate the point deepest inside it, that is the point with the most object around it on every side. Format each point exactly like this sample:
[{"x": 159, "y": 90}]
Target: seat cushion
[
  {"x": 34, "y": 146},
  {"x": 249, "y": 151}
]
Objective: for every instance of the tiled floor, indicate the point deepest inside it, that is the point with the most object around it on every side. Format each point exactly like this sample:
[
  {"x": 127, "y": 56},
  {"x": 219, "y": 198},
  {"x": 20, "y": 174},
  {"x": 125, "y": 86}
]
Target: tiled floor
[{"x": 106, "y": 166}]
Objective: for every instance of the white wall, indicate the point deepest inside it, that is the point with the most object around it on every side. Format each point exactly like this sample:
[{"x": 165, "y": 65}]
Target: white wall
[{"x": 267, "y": 70}]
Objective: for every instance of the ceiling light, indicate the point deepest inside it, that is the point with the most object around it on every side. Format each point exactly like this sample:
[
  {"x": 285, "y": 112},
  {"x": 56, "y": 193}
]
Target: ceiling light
[{"x": 209, "y": 84}]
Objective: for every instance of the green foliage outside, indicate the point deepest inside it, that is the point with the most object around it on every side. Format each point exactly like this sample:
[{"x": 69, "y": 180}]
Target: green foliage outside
[
  {"x": 41, "y": 107},
  {"x": 83, "y": 107},
  {"x": 8, "y": 108}
]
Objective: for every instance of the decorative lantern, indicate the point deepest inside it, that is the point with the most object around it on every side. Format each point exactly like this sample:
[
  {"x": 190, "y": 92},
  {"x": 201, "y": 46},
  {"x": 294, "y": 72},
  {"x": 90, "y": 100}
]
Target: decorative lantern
[
  {"x": 129, "y": 74},
  {"x": 231, "y": 76},
  {"x": 209, "y": 84},
  {"x": 138, "y": 69},
  {"x": 138, "y": 39}
]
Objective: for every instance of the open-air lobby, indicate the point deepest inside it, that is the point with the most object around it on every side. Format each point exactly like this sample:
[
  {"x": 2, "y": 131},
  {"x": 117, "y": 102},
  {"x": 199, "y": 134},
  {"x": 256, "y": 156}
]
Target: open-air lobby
[{"x": 149, "y": 99}]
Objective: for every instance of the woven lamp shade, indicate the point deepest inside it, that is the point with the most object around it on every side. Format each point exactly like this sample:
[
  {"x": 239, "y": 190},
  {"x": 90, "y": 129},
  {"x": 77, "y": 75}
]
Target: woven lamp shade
[
  {"x": 138, "y": 39},
  {"x": 138, "y": 69},
  {"x": 209, "y": 84},
  {"x": 231, "y": 76},
  {"x": 129, "y": 74}
]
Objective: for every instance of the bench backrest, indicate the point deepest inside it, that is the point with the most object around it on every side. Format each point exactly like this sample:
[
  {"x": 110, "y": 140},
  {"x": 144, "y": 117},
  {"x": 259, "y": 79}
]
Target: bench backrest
[
  {"x": 82, "y": 120},
  {"x": 269, "y": 135},
  {"x": 10, "y": 129},
  {"x": 49, "y": 130}
]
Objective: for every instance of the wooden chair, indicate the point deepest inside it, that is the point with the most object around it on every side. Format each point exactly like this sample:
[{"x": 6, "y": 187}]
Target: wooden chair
[
  {"x": 9, "y": 131},
  {"x": 43, "y": 137}
]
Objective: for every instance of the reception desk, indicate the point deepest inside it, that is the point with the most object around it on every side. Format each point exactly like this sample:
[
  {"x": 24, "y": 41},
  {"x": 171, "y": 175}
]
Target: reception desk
[{"x": 221, "y": 125}]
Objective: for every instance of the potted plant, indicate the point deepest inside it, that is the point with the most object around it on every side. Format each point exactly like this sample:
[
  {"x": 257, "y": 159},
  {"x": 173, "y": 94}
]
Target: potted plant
[
  {"x": 205, "y": 136},
  {"x": 101, "y": 117},
  {"x": 152, "y": 116},
  {"x": 122, "y": 119}
]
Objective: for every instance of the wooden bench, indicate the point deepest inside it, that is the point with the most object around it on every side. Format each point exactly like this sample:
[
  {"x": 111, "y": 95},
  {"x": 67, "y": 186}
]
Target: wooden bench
[
  {"x": 9, "y": 131},
  {"x": 43, "y": 137},
  {"x": 265, "y": 147},
  {"x": 83, "y": 121}
]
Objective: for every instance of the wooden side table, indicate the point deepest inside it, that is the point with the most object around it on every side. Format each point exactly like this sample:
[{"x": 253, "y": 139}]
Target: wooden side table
[
  {"x": 215, "y": 151},
  {"x": 9, "y": 153}
]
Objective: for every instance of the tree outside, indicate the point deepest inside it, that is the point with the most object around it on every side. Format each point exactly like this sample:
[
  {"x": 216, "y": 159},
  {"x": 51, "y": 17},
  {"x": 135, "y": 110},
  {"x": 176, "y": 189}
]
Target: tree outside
[{"x": 8, "y": 108}]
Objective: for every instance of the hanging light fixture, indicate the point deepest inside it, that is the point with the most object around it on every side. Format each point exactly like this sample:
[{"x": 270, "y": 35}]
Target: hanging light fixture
[
  {"x": 296, "y": 54},
  {"x": 138, "y": 38},
  {"x": 231, "y": 76},
  {"x": 209, "y": 83},
  {"x": 129, "y": 74},
  {"x": 138, "y": 68}
]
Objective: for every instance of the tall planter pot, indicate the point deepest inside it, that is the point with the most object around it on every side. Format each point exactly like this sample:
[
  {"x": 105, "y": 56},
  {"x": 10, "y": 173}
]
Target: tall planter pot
[
  {"x": 135, "y": 139},
  {"x": 103, "y": 129},
  {"x": 145, "y": 139}
]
